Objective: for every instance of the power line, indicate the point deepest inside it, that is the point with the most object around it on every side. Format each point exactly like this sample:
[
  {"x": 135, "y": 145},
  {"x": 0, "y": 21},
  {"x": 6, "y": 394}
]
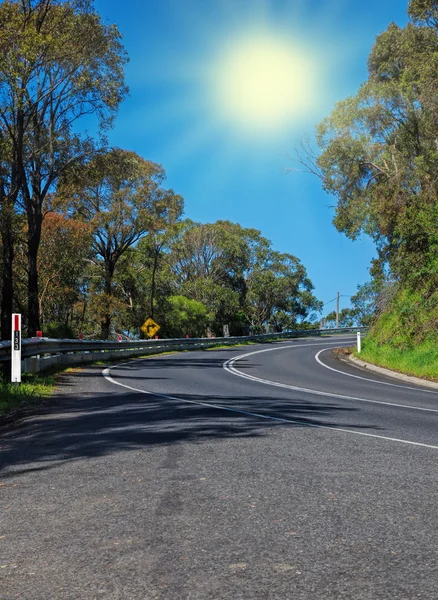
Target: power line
[
  {"x": 329, "y": 301},
  {"x": 341, "y": 296}
]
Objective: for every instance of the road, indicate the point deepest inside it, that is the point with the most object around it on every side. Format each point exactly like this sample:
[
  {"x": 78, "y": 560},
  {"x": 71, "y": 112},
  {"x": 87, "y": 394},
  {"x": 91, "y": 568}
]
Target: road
[{"x": 264, "y": 472}]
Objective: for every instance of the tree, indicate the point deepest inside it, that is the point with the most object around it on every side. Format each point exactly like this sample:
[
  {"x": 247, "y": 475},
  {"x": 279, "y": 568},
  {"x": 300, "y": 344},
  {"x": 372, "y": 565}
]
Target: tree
[
  {"x": 346, "y": 318},
  {"x": 65, "y": 246},
  {"x": 379, "y": 150},
  {"x": 364, "y": 302},
  {"x": 9, "y": 228},
  {"x": 278, "y": 286},
  {"x": 208, "y": 262},
  {"x": 119, "y": 195},
  {"x": 154, "y": 249},
  {"x": 58, "y": 63},
  {"x": 234, "y": 271},
  {"x": 216, "y": 251},
  {"x": 185, "y": 316}
]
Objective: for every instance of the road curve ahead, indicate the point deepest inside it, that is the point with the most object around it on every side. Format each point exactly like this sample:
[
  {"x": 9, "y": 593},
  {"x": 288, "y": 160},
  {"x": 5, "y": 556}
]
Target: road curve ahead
[{"x": 273, "y": 471}]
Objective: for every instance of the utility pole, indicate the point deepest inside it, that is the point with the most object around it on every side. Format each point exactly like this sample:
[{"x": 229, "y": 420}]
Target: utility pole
[{"x": 337, "y": 310}]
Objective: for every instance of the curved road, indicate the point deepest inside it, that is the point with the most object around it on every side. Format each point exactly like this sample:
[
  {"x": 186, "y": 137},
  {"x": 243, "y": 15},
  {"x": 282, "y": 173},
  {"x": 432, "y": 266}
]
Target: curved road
[
  {"x": 314, "y": 383},
  {"x": 272, "y": 471}
]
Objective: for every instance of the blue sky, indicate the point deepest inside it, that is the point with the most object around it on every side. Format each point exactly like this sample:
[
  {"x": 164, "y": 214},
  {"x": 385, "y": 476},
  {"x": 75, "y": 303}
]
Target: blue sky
[{"x": 196, "y": 108}]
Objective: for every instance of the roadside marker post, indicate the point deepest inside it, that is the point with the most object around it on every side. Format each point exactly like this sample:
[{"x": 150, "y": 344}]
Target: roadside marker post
[
  {"x": 16, "y": 349},
  {"x": 359, "y": 345}
]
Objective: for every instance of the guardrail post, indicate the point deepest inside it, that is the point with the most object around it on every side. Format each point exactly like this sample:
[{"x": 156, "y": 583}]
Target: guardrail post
[{"x": 359, "y": 345}]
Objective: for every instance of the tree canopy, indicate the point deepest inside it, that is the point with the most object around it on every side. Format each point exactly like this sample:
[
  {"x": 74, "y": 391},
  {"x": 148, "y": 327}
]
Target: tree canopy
[
  {"x": 91, "y": 240},
  {"x": 58, "y": 63},
  {"x": 379, "y": 149},
  {"x": 119, "y": 195}
]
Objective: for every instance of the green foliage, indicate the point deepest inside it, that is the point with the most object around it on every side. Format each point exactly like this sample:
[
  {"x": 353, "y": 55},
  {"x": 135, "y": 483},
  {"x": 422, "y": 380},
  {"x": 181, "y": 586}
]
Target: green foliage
[
  {"x": 185, "y": 316},
  {"x": 420, "y": 360},
  {"x": 59, "y": 331},
  {"x": 235, "y": 270},
  {"x": 279, "y": 292},
  {"x": 379, "y": 157},
  {"x": 411, "y": 320},
  {"x": 379, "y": 152},
  {"x": 119, "y": 195},
  {"x": 424, "y": 12},
  {"x": 370, "y": 300},
  {"x": 347, "y": 318},
  {"x": 58, "y": 63}
]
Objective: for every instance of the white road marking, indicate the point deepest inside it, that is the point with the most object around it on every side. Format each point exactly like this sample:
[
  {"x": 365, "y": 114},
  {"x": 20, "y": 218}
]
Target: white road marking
[
  {"x": 405, "y": 387},
  {"x": 229, "y": 366},
  {"x": 106, "y": 373}
]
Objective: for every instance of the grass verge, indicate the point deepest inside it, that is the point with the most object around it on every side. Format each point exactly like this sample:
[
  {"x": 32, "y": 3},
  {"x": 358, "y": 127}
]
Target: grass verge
[
  {"x": 420, "y": 361},
  {"x": 31, "y": 391},
  {"x": 226, "y": 346}
]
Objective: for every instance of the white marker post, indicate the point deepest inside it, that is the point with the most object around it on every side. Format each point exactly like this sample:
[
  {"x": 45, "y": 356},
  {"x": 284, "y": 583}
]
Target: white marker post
[
  {"x": 16, "y": 349},
  {"x": 359, "y": 347}
]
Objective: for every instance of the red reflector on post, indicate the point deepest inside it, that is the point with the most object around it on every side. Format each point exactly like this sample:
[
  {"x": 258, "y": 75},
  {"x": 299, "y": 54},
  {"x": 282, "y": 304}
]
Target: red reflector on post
[{"x": 16, "y": 323}]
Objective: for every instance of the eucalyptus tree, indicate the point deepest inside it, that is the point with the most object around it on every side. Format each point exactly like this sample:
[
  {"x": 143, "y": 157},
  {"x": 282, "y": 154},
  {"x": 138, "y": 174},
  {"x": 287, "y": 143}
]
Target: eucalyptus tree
[
  {"x": 58, "y": 63},
  {"x": 379, "y": 150},
  {"x": 279, "y": 291},
  {"x": 347, "y": 317},
  {"x": 120, "y": 195},
  {"x": 235, "y": 272},
  {"x": 65, "y": 246},
  {"x": 208, "y": 262},
  {"x": 185, "y": 316}
]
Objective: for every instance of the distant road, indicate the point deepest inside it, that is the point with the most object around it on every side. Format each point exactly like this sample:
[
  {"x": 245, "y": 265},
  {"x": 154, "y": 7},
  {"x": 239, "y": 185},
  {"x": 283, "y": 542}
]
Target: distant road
[{"x": 272, "y": 471}]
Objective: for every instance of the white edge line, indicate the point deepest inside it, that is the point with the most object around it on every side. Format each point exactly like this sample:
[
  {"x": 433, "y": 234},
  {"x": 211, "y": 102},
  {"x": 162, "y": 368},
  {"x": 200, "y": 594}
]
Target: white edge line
[
  {"x": 405, "y": 387},
  {"x": 106, "y": 373},
  {"x": 229, "y": 366}
]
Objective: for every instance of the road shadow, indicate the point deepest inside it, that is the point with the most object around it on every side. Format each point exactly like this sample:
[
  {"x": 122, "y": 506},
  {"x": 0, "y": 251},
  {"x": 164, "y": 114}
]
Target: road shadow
[
  {"x": 98, "y": 422},
  {"x": 165, "y": 362}
]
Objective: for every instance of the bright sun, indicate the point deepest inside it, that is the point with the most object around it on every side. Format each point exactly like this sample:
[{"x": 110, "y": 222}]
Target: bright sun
[{"x": 262, "y": 83}]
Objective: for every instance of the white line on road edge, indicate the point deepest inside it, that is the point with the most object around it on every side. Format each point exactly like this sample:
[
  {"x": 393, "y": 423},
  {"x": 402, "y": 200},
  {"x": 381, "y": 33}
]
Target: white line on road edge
[
  {"x": 405, "y": 387},
  {"x": 106, "y": 373},
  {"x": 229, "y": 366}
]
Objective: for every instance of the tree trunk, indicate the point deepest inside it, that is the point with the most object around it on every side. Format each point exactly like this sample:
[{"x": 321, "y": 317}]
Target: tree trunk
[
  {"x": 106, "y": 326},
  {"x": 7, "y": 292},
  {"x": 35, "y": 220},
  {"x": 7, "y": 238},
  {"x": 106, "y": 319},
  {"x": 154, "y": 271}
]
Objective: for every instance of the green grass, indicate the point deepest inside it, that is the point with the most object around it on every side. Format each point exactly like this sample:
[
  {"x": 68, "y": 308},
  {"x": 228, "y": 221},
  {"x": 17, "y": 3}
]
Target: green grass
[
  {"x": 405, "y": 336},
  {"x": 224, "y": 346},
  {"x": 420, "y": 360},
  {"x": 31, "y": 391}
]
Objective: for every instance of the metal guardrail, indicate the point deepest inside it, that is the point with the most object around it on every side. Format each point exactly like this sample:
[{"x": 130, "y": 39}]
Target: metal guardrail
[{"x": 45, "y": 346}]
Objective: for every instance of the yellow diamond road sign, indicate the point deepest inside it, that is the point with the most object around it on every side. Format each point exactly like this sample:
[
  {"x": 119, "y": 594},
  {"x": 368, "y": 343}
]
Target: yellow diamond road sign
[{"x": 150, "y": 328}]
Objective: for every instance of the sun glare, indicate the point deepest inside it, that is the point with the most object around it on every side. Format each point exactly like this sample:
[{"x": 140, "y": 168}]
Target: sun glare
[
  {"x": 243, "y": 77},
  {"x": 262, "y": 83}
]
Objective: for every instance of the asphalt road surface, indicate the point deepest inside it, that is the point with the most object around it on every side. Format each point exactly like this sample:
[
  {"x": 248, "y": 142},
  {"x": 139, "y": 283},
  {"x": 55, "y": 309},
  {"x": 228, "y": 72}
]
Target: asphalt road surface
[{"x": 267, "y": 472}]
